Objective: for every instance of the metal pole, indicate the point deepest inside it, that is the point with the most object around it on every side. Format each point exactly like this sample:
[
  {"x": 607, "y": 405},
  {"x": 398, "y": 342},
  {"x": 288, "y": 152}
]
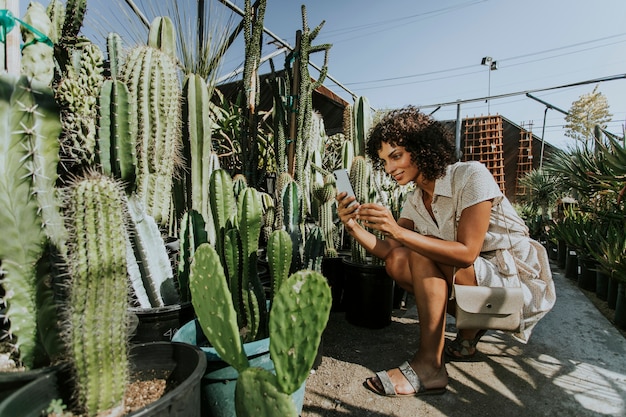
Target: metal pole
[
  {"x": 457, "y": 136},
  {"x": 543, "y": 142},
  {"x": 489, "y": 91},
  {"x": 11, "y": 50}
]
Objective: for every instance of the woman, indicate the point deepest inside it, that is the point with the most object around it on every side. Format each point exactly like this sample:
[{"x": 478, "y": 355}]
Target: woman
[{"x": 457, "y": 223}]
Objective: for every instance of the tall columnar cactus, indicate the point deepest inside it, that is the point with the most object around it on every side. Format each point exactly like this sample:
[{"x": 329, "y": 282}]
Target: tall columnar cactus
[
  {"x": 192, "y": 234},
  {"x": 269, "y": 216},
  {"x": 299, "y": 315},
  {"x": 37, "y": 55},
  {"x": 294, "y": 222},
  {"x": 359, "y": 177},
  {"x": 152, "y": 79},
  {"x": 197, "y": 150},
  {"x": 305, "y": 95},
  {"x": 279, "y": 252},
  {"x": 98, "y": 301},
  {"x": 29, "y": 130},
  {"x": 362, "y": 120},
  {"x": 325, "y": 195},
  {"x": 116, "y": 145},
  {"x": 162, "y": 35}
]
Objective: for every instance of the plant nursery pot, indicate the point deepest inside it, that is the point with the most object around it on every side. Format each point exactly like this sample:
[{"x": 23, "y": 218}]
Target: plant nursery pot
[
  {"x": 611, "y": 294},
  {"x": 561, "y": 257},
  {"x": 219, "y": 380},
  {"x": 12, "y": 381},
  {"x": 620, "y": 306},
  {"x": 571, "y": 264},
  {"x": 586, "y": 273},
  {"x": 158, "y": 324},
  {"x": 368, "y": 295},
  {"x": 184, "y": 365},
  {"x": 553, "y": 250},
  {"x": 332, "y": 269},
  {"x": 602, "y": 285}
]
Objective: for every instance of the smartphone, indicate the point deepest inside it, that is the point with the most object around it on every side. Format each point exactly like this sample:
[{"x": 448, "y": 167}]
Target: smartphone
[{"x": 343, "y": 183}]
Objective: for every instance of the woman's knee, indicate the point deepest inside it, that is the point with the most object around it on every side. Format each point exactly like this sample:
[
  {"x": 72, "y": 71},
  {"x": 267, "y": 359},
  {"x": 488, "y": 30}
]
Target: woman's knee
[{"x": 403, "y": 261}]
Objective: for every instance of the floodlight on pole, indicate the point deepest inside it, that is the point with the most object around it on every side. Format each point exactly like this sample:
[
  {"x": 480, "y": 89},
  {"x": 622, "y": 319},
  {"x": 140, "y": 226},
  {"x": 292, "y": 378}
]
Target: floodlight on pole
[{"x": 492, "y": 65}]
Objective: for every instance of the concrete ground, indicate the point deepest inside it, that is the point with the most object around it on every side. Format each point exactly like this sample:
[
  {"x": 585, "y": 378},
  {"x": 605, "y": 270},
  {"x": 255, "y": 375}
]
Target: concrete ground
[{"x": 574, "y": 365}]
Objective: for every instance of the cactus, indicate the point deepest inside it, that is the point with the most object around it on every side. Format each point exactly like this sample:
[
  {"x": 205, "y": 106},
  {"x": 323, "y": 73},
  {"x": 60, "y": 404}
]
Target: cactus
[
  {"x": 155, "y": 277},
  {"x": 362, "y": 120},
  {"x": 192, "y": 235},
  {"x": 77, "y": 93},
  {"x": 116, "y": 146},
  {"x": 97, "y": 306},
  {"x": 293, "y": 222},
  {"x": 238, "y": 232},
  {"x": 325, "y": 195},
  {"x": 313, "y": 249},
  {"x": 279, "y": 252},
  {"x": 37, "y": 55},
  {"x": 299, "y": 315},
  {"x": 257, "y": 395},
  {"x": 197, "y": 149},
  {"x": 359, "y": 177},
  {"x": 162, "y": 35},
  {"x": 214, "y": 307},
  {"x": 293, "y": 347},
  {"x": 152, "y": 79},
  {"x": 29, "y": 131},
  {"x": 269, "y": 216},
  {"x": 114, "y": 50}
]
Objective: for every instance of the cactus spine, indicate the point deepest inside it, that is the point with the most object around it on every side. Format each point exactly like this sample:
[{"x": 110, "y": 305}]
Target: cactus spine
[
  {"x": 29, "y": 131},
  {"x": 97, "y": 309}
]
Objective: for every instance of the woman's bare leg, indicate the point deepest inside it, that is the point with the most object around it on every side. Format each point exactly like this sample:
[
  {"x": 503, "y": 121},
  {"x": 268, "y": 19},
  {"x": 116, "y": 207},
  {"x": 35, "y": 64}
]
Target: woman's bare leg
[{"x": 424, "y": 279}]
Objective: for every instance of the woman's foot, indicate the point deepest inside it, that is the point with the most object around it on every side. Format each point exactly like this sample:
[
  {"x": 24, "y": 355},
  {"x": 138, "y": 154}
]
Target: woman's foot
[
  {"x": 463, "y": 348},
  {"x": 406, "y": 380}
]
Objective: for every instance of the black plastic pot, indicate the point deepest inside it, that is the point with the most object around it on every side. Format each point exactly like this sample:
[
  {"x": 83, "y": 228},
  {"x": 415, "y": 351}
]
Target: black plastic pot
[
  {"x": 620, "y": 306},
  {"x": 602, "y": 285},
  {"x": 158, "y": 324},
  {"x": 611, "y": 294},
  {"x": 561, "y": 257},
  {"x": 586, "y": 273},
  {"x": 368, "y": 295},
  {"x": 183, "y": 364},
  {"x": 12, "y": 381},
  {"x": 571, "y": 264},
  {"x": 332, "y": 269}
]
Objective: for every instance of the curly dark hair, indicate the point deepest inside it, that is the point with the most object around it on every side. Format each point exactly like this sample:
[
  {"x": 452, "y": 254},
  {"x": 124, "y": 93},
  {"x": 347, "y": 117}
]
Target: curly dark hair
[{"x": 429, "y": 142}]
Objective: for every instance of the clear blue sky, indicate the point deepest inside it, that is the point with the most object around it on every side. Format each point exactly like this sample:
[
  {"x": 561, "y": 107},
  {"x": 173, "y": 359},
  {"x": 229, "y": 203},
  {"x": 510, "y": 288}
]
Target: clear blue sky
[{"x": 400, "y": 52}]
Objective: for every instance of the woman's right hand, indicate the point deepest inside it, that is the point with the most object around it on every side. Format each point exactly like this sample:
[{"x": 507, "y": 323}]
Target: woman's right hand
[{"x": 347, "y": 208}]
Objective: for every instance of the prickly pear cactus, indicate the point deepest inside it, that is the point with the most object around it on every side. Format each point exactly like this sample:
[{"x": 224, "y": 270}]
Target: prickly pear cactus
[
  {"x": 299, "y": 315},
  {"x": 214, "y": 307},
  {"x": 257, "y": 395},
  {"x": 98, "y": 302}
]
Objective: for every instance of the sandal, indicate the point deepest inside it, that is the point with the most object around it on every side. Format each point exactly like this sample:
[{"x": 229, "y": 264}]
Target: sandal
[
  {"x": 461, "y": 349},
  {"x": 381, "y": 384}
]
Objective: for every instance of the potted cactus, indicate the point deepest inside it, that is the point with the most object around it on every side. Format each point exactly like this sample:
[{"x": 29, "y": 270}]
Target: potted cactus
[
  {"x": 241, "y": 377},
  {"x": 237, "y": 297}
]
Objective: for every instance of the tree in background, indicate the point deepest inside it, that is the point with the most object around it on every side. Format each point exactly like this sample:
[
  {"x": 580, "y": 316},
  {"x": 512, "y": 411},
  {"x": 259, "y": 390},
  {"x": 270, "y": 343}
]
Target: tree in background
[{"x": 588, "y": 111}]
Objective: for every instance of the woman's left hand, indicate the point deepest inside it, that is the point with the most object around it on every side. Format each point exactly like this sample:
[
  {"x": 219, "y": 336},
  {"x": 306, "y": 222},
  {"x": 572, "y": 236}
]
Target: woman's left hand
[{"x": 377, "y": 217}]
